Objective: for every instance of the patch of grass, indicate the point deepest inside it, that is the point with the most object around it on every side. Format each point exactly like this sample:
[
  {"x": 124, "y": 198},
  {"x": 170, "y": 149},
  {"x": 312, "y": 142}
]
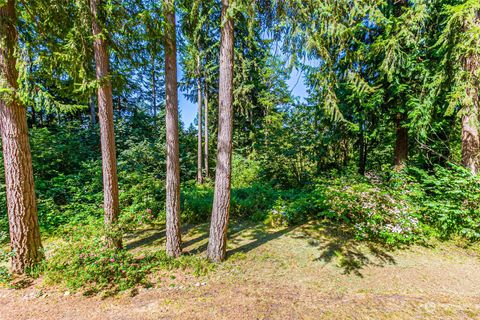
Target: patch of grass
[{"x": 81, "y": 260}]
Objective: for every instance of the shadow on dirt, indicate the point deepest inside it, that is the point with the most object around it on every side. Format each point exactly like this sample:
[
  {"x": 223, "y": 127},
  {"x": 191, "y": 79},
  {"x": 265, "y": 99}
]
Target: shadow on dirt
[{"x": 337, "y": 244}]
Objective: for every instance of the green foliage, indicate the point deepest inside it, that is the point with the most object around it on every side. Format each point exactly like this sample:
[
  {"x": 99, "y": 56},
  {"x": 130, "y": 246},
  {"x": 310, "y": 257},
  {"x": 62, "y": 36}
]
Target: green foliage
[
  {"x": 250, "y": 198},
  {"x": 5, "y": 275},
  {"x": 252, "y": 201},
  {"x": 368, "y": 67},
  {"x": 450, "y": 201},
  {"x": 249, "y": 202},
  {"x": 245, "y": 171},
  {"x": 377, "y": 211},
  {"x": 196, "y": 202},
  {"x": 398, "y": 208},
  {"x": 82, "y": 260}
]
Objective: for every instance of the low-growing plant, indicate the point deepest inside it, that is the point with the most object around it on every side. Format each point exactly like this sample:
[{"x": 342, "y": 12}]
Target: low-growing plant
[
  {"x": 196, "y": 202},
  {"x": 83, "y": 261},
  {"x": 5, "y": 275},
  {"x": 376, "y": 211}
]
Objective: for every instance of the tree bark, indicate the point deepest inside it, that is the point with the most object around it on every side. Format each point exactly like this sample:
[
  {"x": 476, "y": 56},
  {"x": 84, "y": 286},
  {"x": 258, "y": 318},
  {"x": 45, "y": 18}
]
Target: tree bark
[
  {"x": 362, "y": 161},
  {"x": 217, "y": 243},
  {"x": 105, "y": 115},
  {"x": 401, "y": 143},
  {"x": 199, "y": 142},
  {"x": 154, "y": 89},
  {"x": 20, "y": 190},
  {"x": 173, "y": 161},
  {"x": 93, "y": 116},
  {"x": 470, "y": 117},
  {"x": 205, "y": 98},
  {"x": 470, "y": 139}
]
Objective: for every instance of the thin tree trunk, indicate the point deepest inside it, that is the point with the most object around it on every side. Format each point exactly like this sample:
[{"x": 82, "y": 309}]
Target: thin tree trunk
[
  {"x": 154, "y": 89},
  {"x": 173, "y": 162},
  {"x": 30, "y": 67},
  {"x": 362, "y": 161},
  {"x": 199, "y": 141},
  {"x": 93, "y": 116},
  {"x": 470, "y": 117},
  {"x": 401, "y": 142},
  {"x": 105, "y": 115},
  {"x": 207, "y": 169},
  {"x": 470, "y": 139},
  {"x": 20, "y": 190},
  {"x": 217, "y": 243}
]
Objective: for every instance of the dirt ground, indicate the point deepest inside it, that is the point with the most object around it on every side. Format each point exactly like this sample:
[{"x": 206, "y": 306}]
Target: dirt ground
[{"x": 307, "y": 272}]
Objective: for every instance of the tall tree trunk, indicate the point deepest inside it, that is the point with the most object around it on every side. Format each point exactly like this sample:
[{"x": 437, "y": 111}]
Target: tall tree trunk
[
  {"x": 31, "y": 123},
  {"x": 401, "y": 142},
  {"x": 173, "y": 162},
  {"x": 30, "y": 67},
  {"x": 93, "y": 116},
  {"x": 105, "y": 115},
  {"x": 154, "y": 89},
  {"x": 217, "y": 243},
  {"x": 207, "y": 169},
  {"x": 470, "y": 117},
  {"x": 199, "y": 141},
  {"x": 362, "y": 161},
  {"x": 21, "y": 202},
  {"x": 470, "y": 138}
]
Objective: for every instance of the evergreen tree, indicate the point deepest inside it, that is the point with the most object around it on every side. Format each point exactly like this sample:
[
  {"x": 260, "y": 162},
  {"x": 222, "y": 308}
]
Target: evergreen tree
[
  {"x": 217, "y": 243},
  {"x": 21, "y": 201},
  {"x": 173, "y": 165}
]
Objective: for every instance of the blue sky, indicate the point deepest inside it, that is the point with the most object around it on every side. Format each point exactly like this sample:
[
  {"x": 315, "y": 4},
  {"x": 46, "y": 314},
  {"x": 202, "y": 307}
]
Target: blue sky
[{"x": 188, "y": 109}]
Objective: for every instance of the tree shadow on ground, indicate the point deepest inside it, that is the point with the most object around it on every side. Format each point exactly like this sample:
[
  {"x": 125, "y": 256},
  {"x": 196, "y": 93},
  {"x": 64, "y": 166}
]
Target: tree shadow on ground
[
  {"x": 256, "y": 236},
  {"x": 337, "y": 244},
  {"x": 243, "y": 236},
  {"x": 157, "y": 235},
  {"x": 235, "y": 231}
]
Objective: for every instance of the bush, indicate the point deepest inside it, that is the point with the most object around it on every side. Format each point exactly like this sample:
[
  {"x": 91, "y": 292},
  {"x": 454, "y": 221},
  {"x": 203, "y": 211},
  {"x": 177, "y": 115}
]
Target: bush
[
  {"x": 245, "y": 172},
  {"x": 139, "y": 192},
  {"x": 295, "y": 206},
  {"x": 248, "y": 202},
  {"x": 83, "y": 261},
  {"x": 376, "y": 211},
  {"x": 196, "y": 202},
  {"x": 450, "y": 201},
  {"x": 253, "y": 201},
  {"x": 70, "y": 198},
  {"x": 5, "y": 275}
]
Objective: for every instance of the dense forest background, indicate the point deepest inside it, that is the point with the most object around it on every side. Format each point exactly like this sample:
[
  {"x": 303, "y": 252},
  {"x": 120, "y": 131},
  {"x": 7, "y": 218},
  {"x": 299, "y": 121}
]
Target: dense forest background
[{"x": 386, "y": 143}]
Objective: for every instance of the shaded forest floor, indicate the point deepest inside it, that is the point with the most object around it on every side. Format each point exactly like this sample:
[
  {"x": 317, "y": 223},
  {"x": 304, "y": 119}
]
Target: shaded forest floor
[{"x": 308, "y": 272}]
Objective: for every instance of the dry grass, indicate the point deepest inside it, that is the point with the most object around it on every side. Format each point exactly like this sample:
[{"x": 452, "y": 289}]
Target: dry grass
[{"x": 313, "y": 271}]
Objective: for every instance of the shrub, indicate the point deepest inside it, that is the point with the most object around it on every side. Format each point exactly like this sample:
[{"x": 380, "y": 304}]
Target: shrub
[
  {"x": 139, "y": 192},
  {"x": 5, "y": 275},
  {"x": 375, "y": 211},
  {"x": 83, "y": 261},
  {"x": 248, "y": 202},
  {"x": 196, "y": 202},
  {"x": 245, "y": 172},
  {"x": 451, "y": 201},
  {"x": 252, "y": 201},
  {"x": 295, "y": 206}
]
